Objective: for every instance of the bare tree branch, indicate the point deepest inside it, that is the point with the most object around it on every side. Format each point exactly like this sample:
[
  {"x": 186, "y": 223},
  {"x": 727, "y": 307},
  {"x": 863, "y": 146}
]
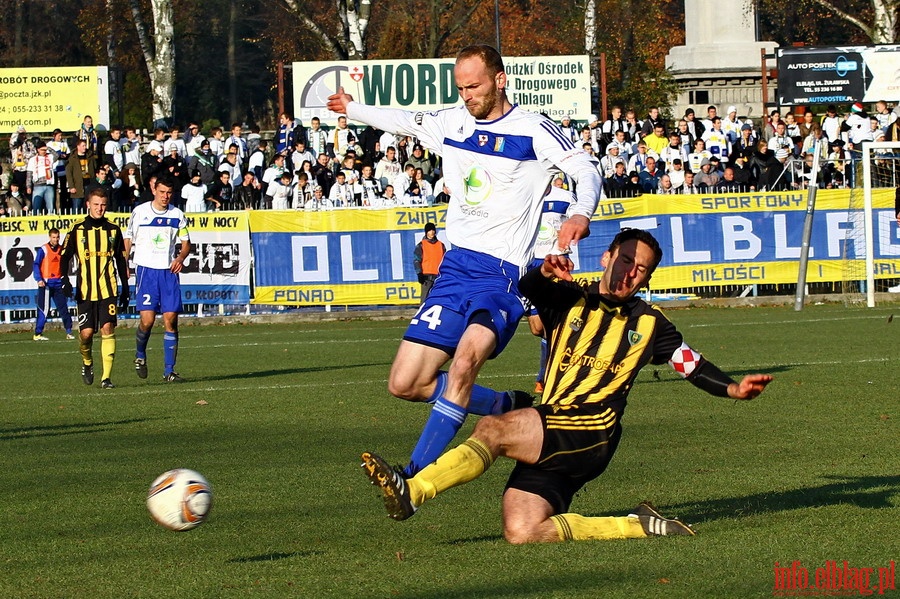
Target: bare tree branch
[{"x": 867, "y": 29}]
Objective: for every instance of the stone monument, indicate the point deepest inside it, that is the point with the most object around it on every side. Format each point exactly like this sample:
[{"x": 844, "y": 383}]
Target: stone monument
[{"x": 720, "y": 63}]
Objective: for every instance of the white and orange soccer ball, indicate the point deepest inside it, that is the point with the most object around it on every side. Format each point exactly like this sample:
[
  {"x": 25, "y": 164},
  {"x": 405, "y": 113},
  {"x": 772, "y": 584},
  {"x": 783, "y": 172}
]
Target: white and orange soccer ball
[{"x": 180, "y": 499}]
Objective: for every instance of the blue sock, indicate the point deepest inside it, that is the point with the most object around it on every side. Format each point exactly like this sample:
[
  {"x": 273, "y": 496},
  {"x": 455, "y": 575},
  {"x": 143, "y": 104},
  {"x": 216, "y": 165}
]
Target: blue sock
[
  {"x": 439, "y": 387},
  {"x": 170, "y": 351},
  {"x": 543, "y": 364},
  {"x": 444, "y": 422},
  {"x": 486, "y": 401},
  {"x": 143, "y": 338},
  {"x": 483, "y": 401}
]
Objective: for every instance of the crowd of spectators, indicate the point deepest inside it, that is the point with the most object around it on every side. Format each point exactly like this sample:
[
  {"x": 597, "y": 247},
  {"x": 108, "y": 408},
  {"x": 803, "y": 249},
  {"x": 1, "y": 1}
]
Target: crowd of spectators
[{"x": 323, "y": 167}]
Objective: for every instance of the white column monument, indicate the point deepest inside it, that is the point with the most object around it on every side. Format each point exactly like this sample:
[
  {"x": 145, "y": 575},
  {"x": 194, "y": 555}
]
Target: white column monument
[{"x": 720, "y": 62}]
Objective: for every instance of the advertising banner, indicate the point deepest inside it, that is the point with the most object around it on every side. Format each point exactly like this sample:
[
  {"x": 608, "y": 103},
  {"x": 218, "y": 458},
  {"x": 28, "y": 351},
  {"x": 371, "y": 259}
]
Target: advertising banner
[
  {"x": 356, "y": 257},
  {"x": 838, "y": 75},
  {"x": 46, "y": 98},
  {"x": 556, "y": 85},
  {"x": 342, "y": 257},
  {"x": 217, "y": 271}
]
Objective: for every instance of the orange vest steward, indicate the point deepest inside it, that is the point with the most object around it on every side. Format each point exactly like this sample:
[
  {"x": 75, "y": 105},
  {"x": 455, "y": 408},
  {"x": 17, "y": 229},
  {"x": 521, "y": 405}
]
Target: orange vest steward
[
  {"x": 50, "y": 264},
  {"x": 432, "y": 254}
]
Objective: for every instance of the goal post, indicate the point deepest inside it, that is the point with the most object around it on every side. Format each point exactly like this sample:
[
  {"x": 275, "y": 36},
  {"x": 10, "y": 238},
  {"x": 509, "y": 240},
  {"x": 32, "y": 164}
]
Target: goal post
[{"x": 876, "y": 175}]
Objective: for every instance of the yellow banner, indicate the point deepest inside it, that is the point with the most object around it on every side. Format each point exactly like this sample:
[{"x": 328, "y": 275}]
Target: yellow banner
[{"x": 43, "y": 99}]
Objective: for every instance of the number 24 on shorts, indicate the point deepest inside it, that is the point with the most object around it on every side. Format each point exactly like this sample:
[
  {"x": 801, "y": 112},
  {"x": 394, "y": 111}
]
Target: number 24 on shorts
[{"x": 432, "y": 316}]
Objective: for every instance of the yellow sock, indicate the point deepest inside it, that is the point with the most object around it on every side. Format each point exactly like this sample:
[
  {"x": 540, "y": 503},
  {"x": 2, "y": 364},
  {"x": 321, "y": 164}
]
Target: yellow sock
[
  {"x": 575, "y": 527},
  {"x": 84, "y": 347},
  {"x": 108, "y": 351},
  {"x": 459, "y": 465}
]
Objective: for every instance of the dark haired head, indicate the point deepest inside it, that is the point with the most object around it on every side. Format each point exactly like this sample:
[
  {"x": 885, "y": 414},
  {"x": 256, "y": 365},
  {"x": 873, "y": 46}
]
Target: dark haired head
[{"x": 626, "y": 235}]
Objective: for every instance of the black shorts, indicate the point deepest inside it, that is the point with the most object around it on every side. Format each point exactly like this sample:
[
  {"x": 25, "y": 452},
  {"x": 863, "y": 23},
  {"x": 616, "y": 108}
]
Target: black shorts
[
  {"x": 579, "y": 442},
  {"x": 94, "y": 314}
]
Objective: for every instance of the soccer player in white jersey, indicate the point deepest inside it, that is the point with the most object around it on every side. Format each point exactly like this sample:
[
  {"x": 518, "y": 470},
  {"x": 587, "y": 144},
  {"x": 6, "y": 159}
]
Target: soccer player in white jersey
[
  {"x": 497, "y": 161},
  {"x": 158, "y": 232}
]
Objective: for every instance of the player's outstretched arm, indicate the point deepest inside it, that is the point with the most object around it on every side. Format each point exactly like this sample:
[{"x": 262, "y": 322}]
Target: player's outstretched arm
[
  {"x": 338, "y": 102},
  {"x": 576, "y": 227},
  {"x": 749, "y": 387}
]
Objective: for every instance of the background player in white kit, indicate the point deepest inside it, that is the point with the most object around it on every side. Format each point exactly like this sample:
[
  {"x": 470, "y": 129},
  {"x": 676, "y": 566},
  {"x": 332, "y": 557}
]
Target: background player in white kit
[
  {"x": 557, "y": 203},
  {"x": 498, "y": 161},
  {"x": 157, "y": 230}
]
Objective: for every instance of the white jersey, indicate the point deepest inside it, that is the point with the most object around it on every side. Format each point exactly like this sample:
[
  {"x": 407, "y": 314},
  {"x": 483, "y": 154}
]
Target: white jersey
[
  {"x": 497, "y": 172},
  {"x": 194, "y": 197},
  {"x": 556, "y": 205},
  {"x": 156, "y": 236}
]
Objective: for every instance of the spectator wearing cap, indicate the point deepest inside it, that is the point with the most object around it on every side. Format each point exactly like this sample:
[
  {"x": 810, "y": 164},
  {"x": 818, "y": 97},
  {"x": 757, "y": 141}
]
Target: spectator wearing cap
[
  {"x": 694, "y": 127},
  {"x": 427, "y": 259},
  {"x": 419, "y": 160},
  {"x": 633, "y": 188},
  {"x": 609, "y": 161},
  {"x": 857, "y": 126},
  {"x": 746, "y": 141},
  {"x": 319, "y": 201},
  {"x": 41, "y": 180},
  {"x": 740, "y": 166},
  {"x": 676, "y": 172},
  {"x": 205, "y": 162},
  {"x": 568, "y": 128},
  {"x": 838, "y": 156},
  {"x": 731, "y": 124},
  {"x": 21, "y": 149},
  {"x": 195, "y": 194}
]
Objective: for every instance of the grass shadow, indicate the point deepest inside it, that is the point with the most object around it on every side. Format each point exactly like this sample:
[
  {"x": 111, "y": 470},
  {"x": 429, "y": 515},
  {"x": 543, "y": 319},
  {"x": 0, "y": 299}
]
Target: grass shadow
[
  {"x": 56, "y": 430},
  {"x": 280, "y": 372},
  {"x": 273, "y": 556},
  {"x": 869, "y": 492}
]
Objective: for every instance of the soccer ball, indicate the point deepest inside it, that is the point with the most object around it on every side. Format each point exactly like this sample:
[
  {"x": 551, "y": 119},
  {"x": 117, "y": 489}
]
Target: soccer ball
[{"x": 179, "y": 499}]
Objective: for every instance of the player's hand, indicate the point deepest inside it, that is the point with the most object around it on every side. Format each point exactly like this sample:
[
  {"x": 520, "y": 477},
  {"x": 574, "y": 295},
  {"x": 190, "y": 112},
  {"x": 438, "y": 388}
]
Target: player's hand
[
  {"x": 749, "y": 387},
  {"x": 557, "y": 265},
  {"x": 67, "y": 287},
  {"x": 338, "y": 102},
  {"x": 176, "y": 266},
  {"x": 124, "y": 299},
  {"x": 576, "y": 227}
]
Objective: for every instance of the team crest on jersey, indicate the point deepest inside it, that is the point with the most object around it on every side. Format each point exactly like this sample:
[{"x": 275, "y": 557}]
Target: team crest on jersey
[
  {"x": 498, "y": 144},
  {"x": 576, "y": 324},
  {"x": 634, "y": 337},
  {"x": 482, "y": 139}
]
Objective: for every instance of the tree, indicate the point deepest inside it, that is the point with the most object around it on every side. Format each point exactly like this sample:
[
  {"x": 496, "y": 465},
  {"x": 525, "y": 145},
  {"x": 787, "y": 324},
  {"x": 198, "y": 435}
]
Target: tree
[
  {"x": 880, "y": 24},
  {"x": 159, "y": 55},
  {"x": 353, "y": 16}
]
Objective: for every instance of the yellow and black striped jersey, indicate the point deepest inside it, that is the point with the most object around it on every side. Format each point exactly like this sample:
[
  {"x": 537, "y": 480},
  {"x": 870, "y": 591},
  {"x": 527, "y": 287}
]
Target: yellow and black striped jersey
[
  {"x": 100, "y": 250},
  {"x": 596, "y": 347}
]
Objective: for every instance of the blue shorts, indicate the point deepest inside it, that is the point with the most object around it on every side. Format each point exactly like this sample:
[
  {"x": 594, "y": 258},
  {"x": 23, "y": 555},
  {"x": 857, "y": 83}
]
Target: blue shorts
[
  {"x": 157, "y": 289},
  {"x": 470, "y": 284}
]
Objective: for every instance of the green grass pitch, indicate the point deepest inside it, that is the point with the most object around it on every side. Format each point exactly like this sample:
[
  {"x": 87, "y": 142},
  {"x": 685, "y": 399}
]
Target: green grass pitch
[{"x": 807, "y": 473}]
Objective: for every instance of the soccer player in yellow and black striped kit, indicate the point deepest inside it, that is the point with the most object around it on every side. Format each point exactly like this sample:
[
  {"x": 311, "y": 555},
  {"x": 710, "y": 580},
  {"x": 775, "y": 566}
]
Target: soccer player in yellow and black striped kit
[
  {"x": 99, "y": 247},
  {"x": 601, "y": 336}
]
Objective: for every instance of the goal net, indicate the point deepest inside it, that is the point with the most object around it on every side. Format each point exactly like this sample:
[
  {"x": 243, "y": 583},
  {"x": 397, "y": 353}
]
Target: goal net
[{"x": 869, "y": 232}]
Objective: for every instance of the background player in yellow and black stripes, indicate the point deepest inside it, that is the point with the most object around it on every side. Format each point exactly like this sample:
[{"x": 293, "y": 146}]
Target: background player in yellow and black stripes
[
  {"x": 98, "y": 246},
  {"x": 601, "y": 335}
]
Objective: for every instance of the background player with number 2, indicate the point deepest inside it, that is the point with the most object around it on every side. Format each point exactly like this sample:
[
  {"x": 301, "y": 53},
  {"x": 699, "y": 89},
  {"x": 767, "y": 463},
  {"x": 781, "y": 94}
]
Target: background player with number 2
[{"x": 498, "y": 161}]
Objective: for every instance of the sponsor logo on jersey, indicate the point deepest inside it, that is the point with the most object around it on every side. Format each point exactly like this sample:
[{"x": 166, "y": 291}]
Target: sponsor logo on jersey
[
  {"x": 498, "y": 144},
  {"x": 576, "y": 324},
  {"x": 634, "y": 337},
  {"x": 478, "y": 185},
  {"x": 482, "y": 139}
]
